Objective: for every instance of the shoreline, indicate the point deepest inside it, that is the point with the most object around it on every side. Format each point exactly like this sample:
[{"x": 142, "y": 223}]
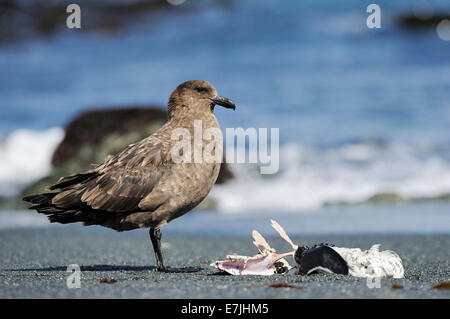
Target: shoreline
[{"x": 424, "y": 218}]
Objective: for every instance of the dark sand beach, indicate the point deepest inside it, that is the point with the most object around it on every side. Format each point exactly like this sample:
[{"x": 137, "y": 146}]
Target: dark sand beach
[{"x": 34, "y": 264}]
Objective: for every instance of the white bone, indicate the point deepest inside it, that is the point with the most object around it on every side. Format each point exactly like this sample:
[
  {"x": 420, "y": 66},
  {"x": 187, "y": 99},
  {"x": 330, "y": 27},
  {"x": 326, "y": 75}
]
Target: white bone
[
  {"x": 283, "y": 234},
  {"x": 260, "y": 242},
  {"x": 256, "y": 265}
]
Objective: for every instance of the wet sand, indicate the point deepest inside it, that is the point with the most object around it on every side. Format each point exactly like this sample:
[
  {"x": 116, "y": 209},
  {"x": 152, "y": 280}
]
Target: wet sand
[{"x": 34, "y": 264}]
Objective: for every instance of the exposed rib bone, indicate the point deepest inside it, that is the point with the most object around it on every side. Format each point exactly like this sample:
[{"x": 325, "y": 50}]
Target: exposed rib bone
[
  {"x": 260, "y": 242},
  {"x": 283, "y": 234}
]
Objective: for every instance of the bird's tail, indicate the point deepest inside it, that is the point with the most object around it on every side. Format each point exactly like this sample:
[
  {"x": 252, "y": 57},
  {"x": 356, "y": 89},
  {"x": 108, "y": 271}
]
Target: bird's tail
[
  {"x": 38, "y": 199},
  {"x": 88, "y": 216},
  {"x": 43, "y": 204}
]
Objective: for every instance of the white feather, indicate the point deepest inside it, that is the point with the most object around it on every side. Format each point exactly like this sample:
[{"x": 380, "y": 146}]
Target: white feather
[{"x": 372, "y": 262}]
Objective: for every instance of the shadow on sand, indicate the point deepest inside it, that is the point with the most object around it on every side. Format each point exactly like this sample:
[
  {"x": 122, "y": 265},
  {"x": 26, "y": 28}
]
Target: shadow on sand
[{"x": 90, "y": 268}]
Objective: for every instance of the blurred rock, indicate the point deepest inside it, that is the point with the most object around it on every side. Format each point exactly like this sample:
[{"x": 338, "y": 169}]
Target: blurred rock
[
  {"x": 225, "y": 173},
  {"x": 385, "y": 198},
  {"x": 442, "y": 198},
  {"x": 25, "y": 19},
  {"x": 392, "y": 199},
  {"x": 207, "y": 204},
  {"x": 418, "y": 21},
  {"x": 106, "y": 131}
]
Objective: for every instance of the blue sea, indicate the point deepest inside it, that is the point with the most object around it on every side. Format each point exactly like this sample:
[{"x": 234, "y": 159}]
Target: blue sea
[{"x": 360, "y": 111}]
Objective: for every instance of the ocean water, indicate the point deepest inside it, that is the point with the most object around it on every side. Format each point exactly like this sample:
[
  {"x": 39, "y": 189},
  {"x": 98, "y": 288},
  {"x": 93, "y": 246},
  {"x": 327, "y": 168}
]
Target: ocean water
[
  {"x": 424, "y": 218},
  {"x": 360, "y": 111}
]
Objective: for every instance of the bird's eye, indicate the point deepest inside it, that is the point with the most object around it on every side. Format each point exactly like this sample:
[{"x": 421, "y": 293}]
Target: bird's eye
[{"x": 200, "y": 89}]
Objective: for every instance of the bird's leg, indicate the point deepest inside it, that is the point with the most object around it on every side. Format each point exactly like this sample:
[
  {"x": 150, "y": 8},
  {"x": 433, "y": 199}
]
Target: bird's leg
[{"x": 155, "y": 237}]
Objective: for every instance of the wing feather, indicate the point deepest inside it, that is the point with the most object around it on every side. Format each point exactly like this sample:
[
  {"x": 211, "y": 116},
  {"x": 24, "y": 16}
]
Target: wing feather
[{"x": 119, "y": 184}]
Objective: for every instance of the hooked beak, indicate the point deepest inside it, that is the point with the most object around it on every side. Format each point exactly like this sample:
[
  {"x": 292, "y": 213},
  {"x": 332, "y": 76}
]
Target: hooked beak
[{"x": 223, "y": 101}]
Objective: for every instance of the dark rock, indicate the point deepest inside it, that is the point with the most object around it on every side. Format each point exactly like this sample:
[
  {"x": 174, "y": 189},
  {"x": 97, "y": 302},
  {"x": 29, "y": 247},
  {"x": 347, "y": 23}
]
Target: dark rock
[
  {"x": 386, "y": 198},
  {"x": 22, "y": 19},
  {"x": 225, "y": 173},
  {"x": 419, "y": 21},
  {"x": 92, "y": 127},
  {"x": 424, "y": 199}
]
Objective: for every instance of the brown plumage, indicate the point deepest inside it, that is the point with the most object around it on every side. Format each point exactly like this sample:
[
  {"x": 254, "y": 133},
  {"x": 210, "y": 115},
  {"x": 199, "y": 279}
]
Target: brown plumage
[{"x": 142, "y": 186}]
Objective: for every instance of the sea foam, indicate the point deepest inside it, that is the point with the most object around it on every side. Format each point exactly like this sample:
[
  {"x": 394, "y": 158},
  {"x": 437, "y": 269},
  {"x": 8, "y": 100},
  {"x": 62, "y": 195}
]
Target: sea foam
[
  {"x": 25, "y": 156},
  {"x": 311, "y": 177}
]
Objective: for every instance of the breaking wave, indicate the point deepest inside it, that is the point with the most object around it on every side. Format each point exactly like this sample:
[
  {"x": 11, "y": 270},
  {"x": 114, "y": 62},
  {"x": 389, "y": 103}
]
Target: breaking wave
[
  {"x": 311, "y": 177},
  {"x": 25, "y": 156}
]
